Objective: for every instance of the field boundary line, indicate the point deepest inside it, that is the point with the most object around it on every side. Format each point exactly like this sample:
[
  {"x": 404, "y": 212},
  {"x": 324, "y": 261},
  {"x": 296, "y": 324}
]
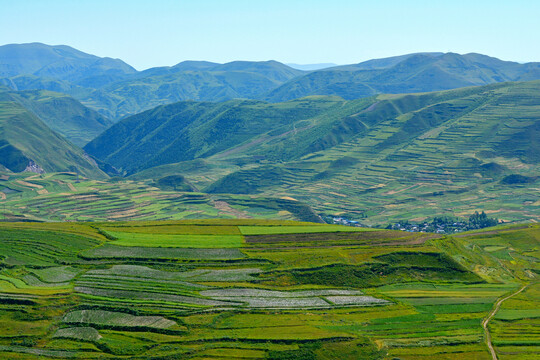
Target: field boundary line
[{"x": 493, "y": 312}]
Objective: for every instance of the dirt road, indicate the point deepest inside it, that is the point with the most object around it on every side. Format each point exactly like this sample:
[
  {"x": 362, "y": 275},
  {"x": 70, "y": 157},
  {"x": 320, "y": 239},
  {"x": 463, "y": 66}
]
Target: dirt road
[{"x": 493, "y": 312}]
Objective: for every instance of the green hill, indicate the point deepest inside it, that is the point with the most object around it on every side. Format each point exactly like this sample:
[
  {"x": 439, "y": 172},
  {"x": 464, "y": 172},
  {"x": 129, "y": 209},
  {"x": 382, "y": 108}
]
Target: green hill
[
  {"x": 27, "y": 144},
  {"x": 374, "y": 159},
  {"x": 61, "y": 113},
  {"x": 189, "y": 130},
  {"x": 410, "y": 157},
  {"x": 412, "y": 73}
]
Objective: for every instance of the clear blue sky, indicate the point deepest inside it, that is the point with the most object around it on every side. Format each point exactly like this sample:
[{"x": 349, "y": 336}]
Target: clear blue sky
[{"x": 165, "y": 32}]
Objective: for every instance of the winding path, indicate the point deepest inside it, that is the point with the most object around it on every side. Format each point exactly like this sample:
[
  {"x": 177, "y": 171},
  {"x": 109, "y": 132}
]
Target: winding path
[{"x": 491, "y": 315}]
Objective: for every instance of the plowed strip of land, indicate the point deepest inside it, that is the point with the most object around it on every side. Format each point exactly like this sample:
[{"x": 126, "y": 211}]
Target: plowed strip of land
[
  {"x": 225, "y": 207},
  {"x": 392, "y": 237},
  {"x": 24, "y": 183}
]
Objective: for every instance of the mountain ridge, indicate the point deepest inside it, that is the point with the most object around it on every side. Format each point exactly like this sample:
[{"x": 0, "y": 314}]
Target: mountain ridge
[{"x": 116, "y": 90}]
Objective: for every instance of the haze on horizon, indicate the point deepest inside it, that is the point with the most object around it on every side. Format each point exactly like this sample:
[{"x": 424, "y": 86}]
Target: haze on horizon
[{"x": 165, "y": 32}]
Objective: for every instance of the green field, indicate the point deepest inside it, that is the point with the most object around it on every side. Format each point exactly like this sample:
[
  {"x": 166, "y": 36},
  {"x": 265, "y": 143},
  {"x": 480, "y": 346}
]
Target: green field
[
  {"x": 67, "y": 197},
  {"x": 218, "y": 289},
  {"x": 183, "y": 241}
]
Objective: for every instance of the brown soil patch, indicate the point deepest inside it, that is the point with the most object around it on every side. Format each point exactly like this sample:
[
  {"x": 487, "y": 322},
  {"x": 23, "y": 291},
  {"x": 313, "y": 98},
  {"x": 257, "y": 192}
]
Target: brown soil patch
[
  {"x": 225, "y": 207},
  {"x": 32, "y": 177},
  {"x": 2, "y": 196},
  {"x": 83, "y": 197},
  {"x": 24, "y": 183},
  {"x": 309, "y": 237},
  {"x": 288, "y": 198},
  {"x": 392, "y": 192},
  {"x": 71, "y": 187},
  {"x": 125, "y": 213},
  {"x": 337, "y": 194},
  {"x": 404, "y": 242},
  {"x": 4, "y": 177},
  {"x": 42, "y": 192},
  {"x": 146, "y": 194}
]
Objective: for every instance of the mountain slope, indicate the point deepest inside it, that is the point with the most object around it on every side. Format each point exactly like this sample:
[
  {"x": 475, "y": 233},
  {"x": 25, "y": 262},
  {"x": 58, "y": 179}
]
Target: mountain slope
[
  {"x": 61, "y": 113},
  {"x": 376, "y": 159},
  {"x": 27, "y": 144},
  {"x": 411, "y": 156},
  {"x": 189, "y": 130},
  {"x": 422, "y": 72}
]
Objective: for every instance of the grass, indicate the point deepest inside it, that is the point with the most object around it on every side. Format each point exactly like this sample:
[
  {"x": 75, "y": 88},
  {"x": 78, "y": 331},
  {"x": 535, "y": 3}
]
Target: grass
[
  {"x": 176, "y": 241},
  {"x": 85, "y": 296},
  {"x": 69, "y": 199}
]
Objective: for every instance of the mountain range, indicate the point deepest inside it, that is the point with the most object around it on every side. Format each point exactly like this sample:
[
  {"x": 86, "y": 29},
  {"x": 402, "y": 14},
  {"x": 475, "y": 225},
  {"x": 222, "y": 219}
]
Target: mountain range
[
  {"x": 373, "y": 141},
  {"x": 116, "y": 90}
]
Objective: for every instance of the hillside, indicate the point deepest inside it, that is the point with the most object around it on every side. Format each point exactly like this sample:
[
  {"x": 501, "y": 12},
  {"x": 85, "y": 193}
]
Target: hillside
[
  {"x": 422, "y": 72},
  {"x": 69, "y": 197},
  {"x": 61, "y": 113},
  {"x": 263, "y": 289},
  {"x": 411, "y": 157},
  {"x": 189, "y": 130},
  {"x": 374, "y": 159},
  {"x": 27, "y": 144}
]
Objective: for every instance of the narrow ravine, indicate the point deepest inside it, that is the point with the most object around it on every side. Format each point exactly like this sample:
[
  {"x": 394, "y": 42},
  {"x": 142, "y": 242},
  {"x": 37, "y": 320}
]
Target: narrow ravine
[{"x": 493, "y": 312}]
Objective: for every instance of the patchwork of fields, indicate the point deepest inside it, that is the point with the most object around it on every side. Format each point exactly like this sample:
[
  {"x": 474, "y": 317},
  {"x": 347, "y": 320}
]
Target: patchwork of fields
[
  {"x": 262, "y": 289},
  {"x": 66, "y": 197}
]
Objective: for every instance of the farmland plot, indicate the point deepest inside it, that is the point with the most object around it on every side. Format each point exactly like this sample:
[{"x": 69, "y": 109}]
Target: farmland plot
[{"x": 68, "y": 290}]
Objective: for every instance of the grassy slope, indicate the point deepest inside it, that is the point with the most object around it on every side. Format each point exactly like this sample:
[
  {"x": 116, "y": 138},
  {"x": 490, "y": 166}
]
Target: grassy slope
[
  {"x": 61, "y": 197},
  {"x": 189, "y": 130},
  {"x": 146, "y": 304},
  {"x": 25, "y": 137},
  {"x": 410, "y": 157},
  {"x": 62, "y": 114}
]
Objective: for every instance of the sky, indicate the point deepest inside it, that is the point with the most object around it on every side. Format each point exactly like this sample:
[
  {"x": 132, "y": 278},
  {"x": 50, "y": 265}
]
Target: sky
[{"x": 165, "y": 32}]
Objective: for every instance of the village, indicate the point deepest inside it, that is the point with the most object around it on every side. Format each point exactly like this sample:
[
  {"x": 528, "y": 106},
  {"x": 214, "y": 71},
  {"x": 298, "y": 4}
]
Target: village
[{"x": 439, "y": 225}]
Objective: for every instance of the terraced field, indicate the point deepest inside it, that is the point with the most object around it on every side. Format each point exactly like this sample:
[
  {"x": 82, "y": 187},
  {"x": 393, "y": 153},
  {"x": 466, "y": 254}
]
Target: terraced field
[
  {"x": 405, "y": 157},
  {"x": 261, "y": 289},
  {"x": 66, "y": 197}
]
